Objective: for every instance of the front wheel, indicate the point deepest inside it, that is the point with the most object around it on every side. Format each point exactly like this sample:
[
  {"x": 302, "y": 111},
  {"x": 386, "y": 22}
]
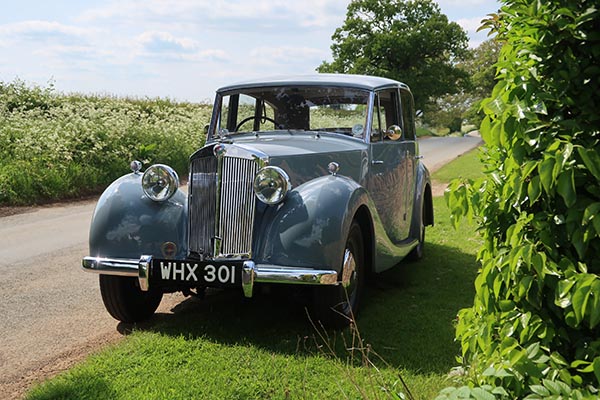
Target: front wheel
[
  {"x": 337, "y": 305},
  {"x": 125, "y": 301}
]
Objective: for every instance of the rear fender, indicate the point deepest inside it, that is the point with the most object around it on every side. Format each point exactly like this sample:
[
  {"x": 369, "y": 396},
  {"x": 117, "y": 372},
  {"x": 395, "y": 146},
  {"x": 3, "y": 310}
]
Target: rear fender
[{"x": 127, "y": 224}]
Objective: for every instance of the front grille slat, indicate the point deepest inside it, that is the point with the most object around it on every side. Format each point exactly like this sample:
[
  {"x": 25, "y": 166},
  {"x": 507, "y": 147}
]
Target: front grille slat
[{"x": 235, "y": 209}]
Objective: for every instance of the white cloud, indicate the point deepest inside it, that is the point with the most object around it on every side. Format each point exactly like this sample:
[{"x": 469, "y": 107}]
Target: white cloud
[
  {"x": 285, "y": 54},
  {"x": 164, "y": 41},
  {"x": 257, "y": 13},
  {"x": 166, "y": 46},
  {"x": 41, "y": 30}
]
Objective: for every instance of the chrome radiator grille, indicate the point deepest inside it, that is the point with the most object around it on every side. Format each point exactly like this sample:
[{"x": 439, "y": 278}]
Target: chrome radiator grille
[
  {"x": 202, "y": 204},
  {"x": 222, "y": 201}
]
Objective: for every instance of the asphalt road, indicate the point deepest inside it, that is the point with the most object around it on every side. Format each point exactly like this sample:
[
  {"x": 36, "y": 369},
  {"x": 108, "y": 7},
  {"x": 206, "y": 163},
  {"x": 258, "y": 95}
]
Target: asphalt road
[{"x": 51, "y": 312}]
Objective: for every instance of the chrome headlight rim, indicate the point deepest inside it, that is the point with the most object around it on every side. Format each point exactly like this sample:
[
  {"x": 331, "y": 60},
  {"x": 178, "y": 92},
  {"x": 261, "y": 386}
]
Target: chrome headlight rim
[
  {"x": 160, "y": 182},
  {"x": 271, "y": 185}
]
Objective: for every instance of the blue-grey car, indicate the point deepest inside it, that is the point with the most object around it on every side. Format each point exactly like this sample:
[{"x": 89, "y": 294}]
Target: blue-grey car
[{"x": 305, "y": 180}]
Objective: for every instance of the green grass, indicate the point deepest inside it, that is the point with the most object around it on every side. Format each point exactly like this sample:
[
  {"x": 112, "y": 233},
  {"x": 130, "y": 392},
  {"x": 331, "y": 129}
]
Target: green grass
[
  {"x": 466, "y": 166},
  {"x": 227, "y": 347}
]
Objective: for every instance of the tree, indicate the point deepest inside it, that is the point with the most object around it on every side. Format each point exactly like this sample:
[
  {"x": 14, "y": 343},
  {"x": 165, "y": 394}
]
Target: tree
[
  {"x": 534, "y": 329},
  {"x": 480, "y": 65},
  {"x": 410, "y": 41}
]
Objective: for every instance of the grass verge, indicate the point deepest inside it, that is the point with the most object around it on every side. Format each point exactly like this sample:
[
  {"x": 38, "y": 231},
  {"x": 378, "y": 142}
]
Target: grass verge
[
  {"x": 466, "y": 166},
  {"x": 227, "y": 347}
]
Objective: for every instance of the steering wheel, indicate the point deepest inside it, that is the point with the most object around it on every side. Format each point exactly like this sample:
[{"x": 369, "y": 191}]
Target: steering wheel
[{"x": 264, "y": 117}]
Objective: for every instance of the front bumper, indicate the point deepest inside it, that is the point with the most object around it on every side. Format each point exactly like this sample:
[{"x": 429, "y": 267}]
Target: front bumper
[{"x": 251, "y": 272}]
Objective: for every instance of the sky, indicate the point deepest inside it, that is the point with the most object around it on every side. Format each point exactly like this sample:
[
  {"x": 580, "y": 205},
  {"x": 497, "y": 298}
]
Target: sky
[{"x": 178, "y": 49}]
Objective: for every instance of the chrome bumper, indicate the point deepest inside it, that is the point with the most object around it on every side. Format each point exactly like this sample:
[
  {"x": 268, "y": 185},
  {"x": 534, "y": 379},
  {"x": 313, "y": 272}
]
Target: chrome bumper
[{"x": 251, "y": 272}]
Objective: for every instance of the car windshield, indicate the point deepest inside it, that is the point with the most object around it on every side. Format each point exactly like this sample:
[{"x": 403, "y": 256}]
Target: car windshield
[{"x": 287, "y": 108}]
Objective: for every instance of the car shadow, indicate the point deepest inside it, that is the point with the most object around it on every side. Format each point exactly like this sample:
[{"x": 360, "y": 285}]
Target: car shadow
[{"x": 406, "y": 316}]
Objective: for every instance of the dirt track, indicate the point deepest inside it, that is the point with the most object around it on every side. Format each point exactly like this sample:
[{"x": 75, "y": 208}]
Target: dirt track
[{"x": 52, "y": 312}]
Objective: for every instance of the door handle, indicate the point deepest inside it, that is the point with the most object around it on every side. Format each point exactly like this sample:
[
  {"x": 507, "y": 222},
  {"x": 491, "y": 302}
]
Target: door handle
[
  {"x": 418, "y": 157},
  {"x": 377, "y": 162}
]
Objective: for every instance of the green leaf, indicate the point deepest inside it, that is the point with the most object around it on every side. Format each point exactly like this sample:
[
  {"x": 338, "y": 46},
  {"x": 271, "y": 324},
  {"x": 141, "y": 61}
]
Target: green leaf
[
  {"x": 481, "y": 394},
  {"x": 596, "y": 365},
  {"x": 534, "y": 189},
  {"x": 553, "y": 387},
  {"x": 566, "y": 187},
  {"x": 545, "y": 171},
  {"x": 539, "y": 389},
  {"x": 580, "y": 298},
  {"x": 563, "y": 295},
  {"x": 591, "y": 159},
  {"x": 595, "y": 305}
]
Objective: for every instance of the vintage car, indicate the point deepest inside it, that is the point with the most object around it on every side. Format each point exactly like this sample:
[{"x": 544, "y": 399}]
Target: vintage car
[{"x": 307, "y": 180}]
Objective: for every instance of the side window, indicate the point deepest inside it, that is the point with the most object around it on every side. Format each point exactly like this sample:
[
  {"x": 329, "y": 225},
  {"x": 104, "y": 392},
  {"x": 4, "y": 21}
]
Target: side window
[
  {"x": 388, "y": 109},
  {"x": 408, "y": 114}
]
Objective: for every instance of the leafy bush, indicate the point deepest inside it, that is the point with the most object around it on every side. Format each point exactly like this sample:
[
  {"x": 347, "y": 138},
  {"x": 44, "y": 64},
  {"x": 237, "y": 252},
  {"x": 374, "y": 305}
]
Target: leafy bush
[
  {"x": 534, "y": 329},
  {"x": 55, "y": 146}
]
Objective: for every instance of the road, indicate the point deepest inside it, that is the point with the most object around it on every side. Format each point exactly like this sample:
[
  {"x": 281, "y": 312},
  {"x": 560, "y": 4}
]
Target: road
[{"x": 52, "y": 313}]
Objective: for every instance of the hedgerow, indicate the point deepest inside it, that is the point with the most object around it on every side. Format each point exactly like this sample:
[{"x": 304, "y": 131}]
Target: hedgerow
[
  {"x": 534, "y": 329},
  {"x": 56, "y": 146}
]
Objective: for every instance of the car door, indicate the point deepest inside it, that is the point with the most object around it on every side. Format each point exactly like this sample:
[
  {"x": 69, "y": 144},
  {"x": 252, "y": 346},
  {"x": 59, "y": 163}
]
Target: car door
[{"x": 389, "y": 177}]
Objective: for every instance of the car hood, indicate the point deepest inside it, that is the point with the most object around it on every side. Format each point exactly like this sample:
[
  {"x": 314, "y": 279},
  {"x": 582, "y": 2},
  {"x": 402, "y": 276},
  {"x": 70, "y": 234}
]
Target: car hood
[{"x": 305, "y": 156}]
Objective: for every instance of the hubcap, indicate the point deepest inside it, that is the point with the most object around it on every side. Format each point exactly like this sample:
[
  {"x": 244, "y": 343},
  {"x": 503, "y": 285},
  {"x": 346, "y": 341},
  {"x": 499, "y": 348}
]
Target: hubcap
[{"x": 349, "y": 275}]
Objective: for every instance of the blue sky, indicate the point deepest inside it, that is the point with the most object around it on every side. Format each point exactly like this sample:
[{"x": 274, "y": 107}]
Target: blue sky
[{"x": 180, "y": 49}]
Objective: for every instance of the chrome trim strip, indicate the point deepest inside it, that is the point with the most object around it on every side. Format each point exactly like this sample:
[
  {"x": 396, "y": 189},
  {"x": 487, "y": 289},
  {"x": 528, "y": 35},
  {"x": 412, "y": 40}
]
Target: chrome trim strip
[
  {"x": 111, "y": 266},
  {"x": 251, "y": 272},
  {"x": 268, "y": 273}
]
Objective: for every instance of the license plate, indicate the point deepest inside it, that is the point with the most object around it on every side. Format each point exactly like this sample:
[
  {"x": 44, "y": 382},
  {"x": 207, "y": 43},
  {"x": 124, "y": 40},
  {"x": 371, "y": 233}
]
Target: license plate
[{"x": 197, "y": 272}]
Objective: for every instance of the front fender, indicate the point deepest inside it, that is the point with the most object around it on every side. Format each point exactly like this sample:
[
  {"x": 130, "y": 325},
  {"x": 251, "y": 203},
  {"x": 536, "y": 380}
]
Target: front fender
[
  {"x": 310, "y": 227},
  {"x": 127, "y": 224}
]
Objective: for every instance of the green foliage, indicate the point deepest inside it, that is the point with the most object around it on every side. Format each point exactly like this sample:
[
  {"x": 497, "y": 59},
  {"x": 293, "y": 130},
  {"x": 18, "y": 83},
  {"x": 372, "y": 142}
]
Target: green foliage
[
  {"x": 410, "y": 41},
  {"x": 534, "y": 329},
  {"x": 56, "y": 146}
]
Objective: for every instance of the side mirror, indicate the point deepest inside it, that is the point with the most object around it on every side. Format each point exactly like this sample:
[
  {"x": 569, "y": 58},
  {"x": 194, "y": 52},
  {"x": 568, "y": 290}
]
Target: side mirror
[
  {"x": 394, "y": 132},
  {"x": 205, "y": 130}
]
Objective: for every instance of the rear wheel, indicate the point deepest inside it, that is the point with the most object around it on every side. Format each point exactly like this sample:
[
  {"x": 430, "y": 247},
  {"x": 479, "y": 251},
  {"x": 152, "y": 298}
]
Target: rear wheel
[
  {"x": 124, "y": 299},
  {"x": 337, "y": 305}
]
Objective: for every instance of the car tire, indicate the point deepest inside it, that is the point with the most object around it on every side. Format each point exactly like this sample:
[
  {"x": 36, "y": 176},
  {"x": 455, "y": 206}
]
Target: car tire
[
  {"x": 125, "y": 301},
  {"x": 337, "y": 306},
  {"x": 417, "y": 253}
]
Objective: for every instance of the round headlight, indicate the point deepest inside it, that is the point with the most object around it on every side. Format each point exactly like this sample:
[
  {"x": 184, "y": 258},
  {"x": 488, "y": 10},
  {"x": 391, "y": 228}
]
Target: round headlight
[
  {"x": 271, "y": 184},
  {"x": 160, "y": 182}
]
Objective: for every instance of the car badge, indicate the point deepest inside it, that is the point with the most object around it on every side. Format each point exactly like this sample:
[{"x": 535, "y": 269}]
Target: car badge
[{"x": 168, "y": 249}]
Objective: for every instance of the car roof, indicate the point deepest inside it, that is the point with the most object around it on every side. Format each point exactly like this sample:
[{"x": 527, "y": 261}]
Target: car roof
[{"x": 344, "y": 80}]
